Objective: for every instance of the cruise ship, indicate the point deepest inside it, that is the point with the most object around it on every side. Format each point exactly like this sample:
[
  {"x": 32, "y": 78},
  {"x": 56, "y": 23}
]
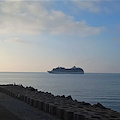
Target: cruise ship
[{"x": 62, "y": 70}]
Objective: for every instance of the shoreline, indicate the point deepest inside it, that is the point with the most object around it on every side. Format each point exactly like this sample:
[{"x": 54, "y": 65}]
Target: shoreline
[{"x": 62, "y": 107}]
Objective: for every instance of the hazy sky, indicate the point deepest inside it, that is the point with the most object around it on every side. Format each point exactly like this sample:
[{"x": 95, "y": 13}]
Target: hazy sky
[{"x": 36, "y": 36}]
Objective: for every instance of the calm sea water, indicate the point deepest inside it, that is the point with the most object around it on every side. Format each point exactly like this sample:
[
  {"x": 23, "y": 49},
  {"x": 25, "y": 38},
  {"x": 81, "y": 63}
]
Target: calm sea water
[{"x": 89, "y": 87}]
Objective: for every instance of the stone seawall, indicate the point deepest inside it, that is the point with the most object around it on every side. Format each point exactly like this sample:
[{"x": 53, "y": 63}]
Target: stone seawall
[{"x": 60, "y": 106}]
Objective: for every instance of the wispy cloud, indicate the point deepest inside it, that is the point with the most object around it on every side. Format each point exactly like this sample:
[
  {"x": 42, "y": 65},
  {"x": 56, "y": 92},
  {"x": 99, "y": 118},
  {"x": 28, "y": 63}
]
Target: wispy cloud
[
  {"x": 33, "y": 18},
  {"x": 92, "y": 6},
  {"x": 17, "y": 40}
]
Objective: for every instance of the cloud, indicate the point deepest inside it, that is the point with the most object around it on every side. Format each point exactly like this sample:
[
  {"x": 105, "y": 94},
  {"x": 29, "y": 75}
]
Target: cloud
[
  {"x": 63, "y": 24},
  {"x": 17, "y": 40},
  {"x": 97, "y": 6},
  {"x": 34, "y": 18},
  {"x": 91, "y": 6}
]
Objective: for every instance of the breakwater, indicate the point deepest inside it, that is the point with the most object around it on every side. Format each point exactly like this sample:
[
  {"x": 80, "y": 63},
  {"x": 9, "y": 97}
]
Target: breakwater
[{"x": 60, "y": 106}]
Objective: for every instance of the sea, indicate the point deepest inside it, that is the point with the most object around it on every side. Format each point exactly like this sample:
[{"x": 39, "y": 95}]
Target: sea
[{"x": 89, "y": 87}]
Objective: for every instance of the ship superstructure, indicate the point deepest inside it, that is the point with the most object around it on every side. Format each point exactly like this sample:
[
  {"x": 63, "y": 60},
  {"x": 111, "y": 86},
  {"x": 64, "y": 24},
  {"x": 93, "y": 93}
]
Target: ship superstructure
[{"x": 62, "y": 70}]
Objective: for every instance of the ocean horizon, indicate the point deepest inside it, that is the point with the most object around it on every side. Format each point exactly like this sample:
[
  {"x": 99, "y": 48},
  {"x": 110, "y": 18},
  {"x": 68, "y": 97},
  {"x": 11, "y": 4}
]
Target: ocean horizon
[{"x": 88, "y": 87}]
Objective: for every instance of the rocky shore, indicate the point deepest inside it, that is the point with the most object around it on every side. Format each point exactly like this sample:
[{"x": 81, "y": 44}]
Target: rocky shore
[{"x": 62, "y": 107}]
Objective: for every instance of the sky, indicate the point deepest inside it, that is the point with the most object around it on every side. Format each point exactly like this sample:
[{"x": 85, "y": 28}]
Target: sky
[{"x": 37, "y": 36}]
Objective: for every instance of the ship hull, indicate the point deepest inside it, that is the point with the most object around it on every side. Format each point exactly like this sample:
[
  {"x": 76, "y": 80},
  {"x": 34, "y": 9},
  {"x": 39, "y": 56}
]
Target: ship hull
[{"x": 52, "y": 72}]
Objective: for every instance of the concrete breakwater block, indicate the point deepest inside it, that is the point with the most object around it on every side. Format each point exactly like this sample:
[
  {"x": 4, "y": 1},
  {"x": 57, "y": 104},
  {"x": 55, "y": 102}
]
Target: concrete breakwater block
[
  {"x": 0, "y": 89},
  {"x": 60, "y": 112},
  {"x": 79, "y": 116},
  {"x": 60, "y": 106},
  {"x": 35, "y": 103},
  {"x": 18, "y": 96},
  {"x": 14, "y": 95},
  {"x": 52, "y": 109},
  {"x": 28, "y": 100},
  {"x": 31, "y": 101},
  {"x": 25, "y": 99},
  {"x": 10, "y": 93},
  {"x": 21, "y": 97},
  {"x": 6, "y": 91},
  {"x": 68, "y": 115},
  {"x": 46, "y": 107},
  {"x": 40, "y": 105}
]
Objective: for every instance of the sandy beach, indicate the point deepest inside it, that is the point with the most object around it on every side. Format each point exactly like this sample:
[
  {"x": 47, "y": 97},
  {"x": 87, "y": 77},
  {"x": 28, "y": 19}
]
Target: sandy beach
[{"x": 13, "y": 109}]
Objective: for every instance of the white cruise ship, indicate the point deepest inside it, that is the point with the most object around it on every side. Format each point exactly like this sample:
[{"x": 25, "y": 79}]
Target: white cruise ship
[{"x": 62, "y": 70}]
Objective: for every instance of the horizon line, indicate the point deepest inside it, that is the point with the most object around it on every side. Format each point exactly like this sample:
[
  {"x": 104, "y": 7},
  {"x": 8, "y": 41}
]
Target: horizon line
[{"x": 47, "y": 72}]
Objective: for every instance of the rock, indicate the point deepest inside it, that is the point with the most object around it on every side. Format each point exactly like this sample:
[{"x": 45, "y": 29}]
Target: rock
[
  {"x": 69, "y": 97},
  {"x": 84, "y": 103},
  {"x": 99, "y": 105},
  {"x": 63, "y": 96}
]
